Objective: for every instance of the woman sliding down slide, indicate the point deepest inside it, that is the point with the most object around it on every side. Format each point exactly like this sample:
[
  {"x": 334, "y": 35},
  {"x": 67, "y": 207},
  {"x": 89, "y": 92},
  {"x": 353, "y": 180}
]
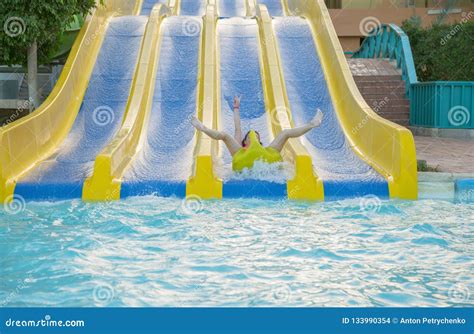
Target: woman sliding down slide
[{"x": 248, "y": 150}]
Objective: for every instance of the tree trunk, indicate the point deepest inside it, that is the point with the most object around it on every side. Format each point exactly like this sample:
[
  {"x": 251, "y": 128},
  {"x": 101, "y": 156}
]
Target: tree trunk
[{"x": 33, "y": 76}]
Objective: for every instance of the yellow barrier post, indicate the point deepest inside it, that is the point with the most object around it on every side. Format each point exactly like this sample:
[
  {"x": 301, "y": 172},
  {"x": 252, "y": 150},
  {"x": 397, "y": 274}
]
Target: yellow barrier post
[
  {"x": 388, "y": 147},
  {"x": 111, "y": 163},
  {"x": 203, "y": 183},
  {"x": 28, "y": 141},
  {"x": 305, "y": 185}
]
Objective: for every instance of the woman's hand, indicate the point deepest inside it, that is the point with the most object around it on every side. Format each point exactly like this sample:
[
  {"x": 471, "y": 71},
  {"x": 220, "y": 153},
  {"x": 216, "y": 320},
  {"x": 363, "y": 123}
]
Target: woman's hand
[{"x": 236, "y": 102}]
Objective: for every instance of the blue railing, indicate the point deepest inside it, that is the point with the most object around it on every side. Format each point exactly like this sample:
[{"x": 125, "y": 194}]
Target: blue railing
[
  {"x": 390, "y": 42},
  {"x": 442, "y": 104},
  {"x": 437, "y": 104}
]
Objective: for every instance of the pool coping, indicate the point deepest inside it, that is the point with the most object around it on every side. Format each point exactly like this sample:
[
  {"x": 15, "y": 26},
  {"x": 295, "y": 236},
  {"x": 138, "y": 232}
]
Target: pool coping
[{"x": 434, "y": 185}]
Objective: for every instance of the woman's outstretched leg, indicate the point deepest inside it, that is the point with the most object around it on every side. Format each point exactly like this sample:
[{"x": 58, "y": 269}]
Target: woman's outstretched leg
[
  {"x": 286, "y": 134},
  {"x": 232, "y": 145}
]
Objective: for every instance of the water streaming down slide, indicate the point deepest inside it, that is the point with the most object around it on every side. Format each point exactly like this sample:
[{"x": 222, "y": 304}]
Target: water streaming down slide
[
  {"x": 147, "y": 5},
  {"x": 164, "y": 163},
  {"x": 240, "y": 75},
  {"x": 232, "y": 8},
  {"x": 192, "y": 7},
  {"x": 344, "y": 174},
  {"x": 275, "y": 7},
  {"x": 62, "y": 175}
]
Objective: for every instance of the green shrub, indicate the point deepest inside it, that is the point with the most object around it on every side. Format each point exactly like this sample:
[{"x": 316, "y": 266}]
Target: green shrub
[
  {"x": 442, "y": 52},
  {"x": 23, "y": 22}
]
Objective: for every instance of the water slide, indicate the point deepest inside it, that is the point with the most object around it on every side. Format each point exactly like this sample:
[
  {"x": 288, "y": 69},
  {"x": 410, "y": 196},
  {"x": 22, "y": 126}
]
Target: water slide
[
  {"x": 232, "y": 8},
  {"x": 192, "y": 7},
  {"x": 24, "y": 144},
  {"x": 62, "y": 174},
  {"x": 164, "y": 162},
  {"x": 344, "y": 174},
  {"x": 147, "y": 6},
  {"x": 355, "y": 152},
  {"x": 49, "y": 154},
  {"x": 119, "y": 126},
  {"x": 240, "y": 73}
]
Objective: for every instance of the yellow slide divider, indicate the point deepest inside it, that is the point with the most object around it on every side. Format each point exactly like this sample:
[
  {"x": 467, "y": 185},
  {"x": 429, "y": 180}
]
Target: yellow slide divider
[
  {"x": 202, "y": 182},
  {"x": 173, "y": 6},
  {"x": 251, "y": 6},
  {"x": 28, "y": 141},
  {"x": 111, "y": 163},
  {"x": 306, "y": 185},
  {"x": 388, "y": 147}
]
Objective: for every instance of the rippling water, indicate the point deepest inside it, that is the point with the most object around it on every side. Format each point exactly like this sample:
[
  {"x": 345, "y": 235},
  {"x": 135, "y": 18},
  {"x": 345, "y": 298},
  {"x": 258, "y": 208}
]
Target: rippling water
[{"x": 152, "y": 251}]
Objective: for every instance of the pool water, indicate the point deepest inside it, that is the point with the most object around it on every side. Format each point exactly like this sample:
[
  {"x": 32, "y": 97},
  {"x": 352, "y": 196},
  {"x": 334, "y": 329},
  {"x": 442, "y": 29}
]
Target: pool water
[{"x": 152, "y": 251}]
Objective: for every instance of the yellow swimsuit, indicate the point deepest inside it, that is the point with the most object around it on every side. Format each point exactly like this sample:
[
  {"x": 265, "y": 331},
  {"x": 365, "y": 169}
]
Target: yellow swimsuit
[{"x": 246, "y": 157}]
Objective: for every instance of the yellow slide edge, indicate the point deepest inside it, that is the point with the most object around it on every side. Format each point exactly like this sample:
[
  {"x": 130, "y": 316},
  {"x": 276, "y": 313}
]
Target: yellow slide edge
[
  {"x": 202, "y": 182},
  {"x": 173, "y": 6},
  {"x": 306, "y": 185},
  {"x": 29, "y": 140},
  {"x": 251, "y": 6},
  {"x": 110, "y": 165},
  {"x": 388, "y": 147}
]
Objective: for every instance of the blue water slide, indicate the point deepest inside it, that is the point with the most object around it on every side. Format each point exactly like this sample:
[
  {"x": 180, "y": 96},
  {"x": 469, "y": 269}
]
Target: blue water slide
[
  {"x": 275, "y": 7},
  {"x": 232, "y": 8},
  {"x": 343, "y": 173},
  {"x": 240, "y": 75},
  {"x": 62, "y": 175},
  {"x": 192, "y": 7},
  {"x": 147, "y": 6},
  {"x": 164, "y": 163}
]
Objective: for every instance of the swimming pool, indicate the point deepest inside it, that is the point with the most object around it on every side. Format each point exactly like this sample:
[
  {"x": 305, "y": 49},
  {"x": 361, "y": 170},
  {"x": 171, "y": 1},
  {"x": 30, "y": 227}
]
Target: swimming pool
[{"x": 152, "y": 251}]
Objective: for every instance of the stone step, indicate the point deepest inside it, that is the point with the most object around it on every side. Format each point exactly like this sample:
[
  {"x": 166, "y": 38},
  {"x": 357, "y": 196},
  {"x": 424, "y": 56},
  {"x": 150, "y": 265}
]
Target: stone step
[
  {"x": 374, "y": 84},
  {"x": 389, "y": 102},
  {"x": 394, "y": 115},
  {"x": 378, "y": 78},
  {"x": 398, "y": 91},
  {"x": 392, "y": 110},
  {"x": 401, "y": 121}
]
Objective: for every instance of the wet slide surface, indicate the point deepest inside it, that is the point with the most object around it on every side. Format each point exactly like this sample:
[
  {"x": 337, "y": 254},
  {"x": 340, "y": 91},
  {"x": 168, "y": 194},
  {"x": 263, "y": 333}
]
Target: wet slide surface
[
  {"x": 275, "y": 7},
  {"x": 164, "y": 163},
  {"x": 344, "y": 174},
  {"x": 232, "y": 8},
  {"x": 192, "y": 7},
  {"x": 62, "y": 175},
  {"x": 240, "y": 75},
  {"x": 147, "y": 5}
]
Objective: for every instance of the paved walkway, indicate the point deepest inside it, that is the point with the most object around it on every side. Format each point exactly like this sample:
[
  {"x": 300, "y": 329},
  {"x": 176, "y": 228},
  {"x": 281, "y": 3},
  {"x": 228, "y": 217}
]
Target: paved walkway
[{"x": 446, "y": 154}]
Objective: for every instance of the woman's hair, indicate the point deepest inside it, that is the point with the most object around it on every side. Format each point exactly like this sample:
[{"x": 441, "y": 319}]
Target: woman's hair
[{"x": 246, "y": 136}]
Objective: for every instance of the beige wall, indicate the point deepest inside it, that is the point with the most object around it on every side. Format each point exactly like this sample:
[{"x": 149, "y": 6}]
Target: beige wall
[
  {"x": 394, "y": 3},
  {"x": 349, "y": 23}
]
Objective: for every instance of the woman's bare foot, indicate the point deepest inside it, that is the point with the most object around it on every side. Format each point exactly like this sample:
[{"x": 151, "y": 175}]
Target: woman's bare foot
[
  {"x": 197, "y": 123},
  {"x": 317, "y": 119}
]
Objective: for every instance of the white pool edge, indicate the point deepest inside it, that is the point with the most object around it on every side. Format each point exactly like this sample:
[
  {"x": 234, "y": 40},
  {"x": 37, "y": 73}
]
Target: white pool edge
[{"x": 433, "y": 185}]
